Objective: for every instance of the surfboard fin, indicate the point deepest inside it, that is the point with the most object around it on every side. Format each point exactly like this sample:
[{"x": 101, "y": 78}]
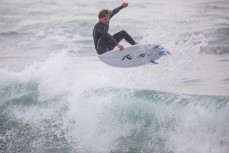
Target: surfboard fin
[
  {"x": 154, "y": 62},
  {"x": 162, "y": 52}
]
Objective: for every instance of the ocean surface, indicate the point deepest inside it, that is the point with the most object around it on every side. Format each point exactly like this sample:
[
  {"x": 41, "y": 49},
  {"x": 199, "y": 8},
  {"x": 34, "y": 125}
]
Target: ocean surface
[{"x": 56, "y": 96}]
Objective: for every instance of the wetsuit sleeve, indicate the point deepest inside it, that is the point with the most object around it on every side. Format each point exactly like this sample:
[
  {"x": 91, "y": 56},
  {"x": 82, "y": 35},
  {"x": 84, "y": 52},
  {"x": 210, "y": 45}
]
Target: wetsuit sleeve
[
  {"x": 103, "y": 31},
  {"x": 115, "y": 11}
]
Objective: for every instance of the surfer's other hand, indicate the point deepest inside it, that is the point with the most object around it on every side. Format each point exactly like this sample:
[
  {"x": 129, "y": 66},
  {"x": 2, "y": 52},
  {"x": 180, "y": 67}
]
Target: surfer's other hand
[
  {"x": 124, "y": 4},
  {"x": 120, "y": 47}
]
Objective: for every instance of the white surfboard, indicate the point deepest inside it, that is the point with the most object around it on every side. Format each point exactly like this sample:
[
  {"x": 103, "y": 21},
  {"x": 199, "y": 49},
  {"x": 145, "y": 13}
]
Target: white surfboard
[{"x": 133, "y": 56}]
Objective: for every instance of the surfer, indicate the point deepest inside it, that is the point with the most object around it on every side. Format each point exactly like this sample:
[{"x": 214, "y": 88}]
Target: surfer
[{"x": 103, "y": 41}]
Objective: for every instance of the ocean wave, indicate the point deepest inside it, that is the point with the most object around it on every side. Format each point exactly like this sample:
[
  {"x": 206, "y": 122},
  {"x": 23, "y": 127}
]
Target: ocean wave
[{"x": 111, "y": 120}]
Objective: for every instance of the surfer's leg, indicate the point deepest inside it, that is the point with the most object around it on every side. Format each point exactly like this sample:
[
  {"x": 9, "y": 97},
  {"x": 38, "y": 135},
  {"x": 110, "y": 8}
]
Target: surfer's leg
[{"x": 123, "y": 35}]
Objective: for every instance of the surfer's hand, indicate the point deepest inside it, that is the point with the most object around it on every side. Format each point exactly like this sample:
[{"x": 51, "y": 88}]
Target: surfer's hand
[
  {"x": 124, "y": 4},
  {"x": 120, "y": 47}
]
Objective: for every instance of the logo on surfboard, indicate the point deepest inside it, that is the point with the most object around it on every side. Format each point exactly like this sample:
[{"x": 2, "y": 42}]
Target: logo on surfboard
[
  {"x": 141, "y": 55},
  {"x": 128, "y": 57}
]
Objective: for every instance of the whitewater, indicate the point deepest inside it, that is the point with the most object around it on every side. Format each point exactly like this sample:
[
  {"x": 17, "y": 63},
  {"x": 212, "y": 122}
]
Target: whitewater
[{"x": 57, "y": 96}]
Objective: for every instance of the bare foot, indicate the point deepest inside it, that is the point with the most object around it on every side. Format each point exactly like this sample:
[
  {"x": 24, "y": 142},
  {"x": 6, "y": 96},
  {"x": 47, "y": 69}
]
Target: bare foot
[{"x": 136, "y": 43}]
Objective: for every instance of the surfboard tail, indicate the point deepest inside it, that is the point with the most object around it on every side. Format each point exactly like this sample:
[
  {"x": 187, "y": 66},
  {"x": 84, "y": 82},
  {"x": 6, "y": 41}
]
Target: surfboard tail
[{"x": 154, "y": 62}]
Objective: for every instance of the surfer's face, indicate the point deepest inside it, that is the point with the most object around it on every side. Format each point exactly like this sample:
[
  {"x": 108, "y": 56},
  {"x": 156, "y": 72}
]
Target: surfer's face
[{"x": 105, "y": 20}]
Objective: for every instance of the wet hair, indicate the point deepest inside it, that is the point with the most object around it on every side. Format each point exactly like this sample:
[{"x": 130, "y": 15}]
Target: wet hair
[{"x": 103, "y": 13}]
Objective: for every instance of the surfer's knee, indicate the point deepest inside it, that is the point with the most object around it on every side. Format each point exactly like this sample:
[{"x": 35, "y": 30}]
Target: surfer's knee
[{"x": 124, "y": 32}]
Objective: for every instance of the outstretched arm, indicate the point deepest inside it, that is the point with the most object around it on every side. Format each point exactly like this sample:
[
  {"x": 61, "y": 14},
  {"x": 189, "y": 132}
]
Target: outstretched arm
[{"x": 116, "y": 10}]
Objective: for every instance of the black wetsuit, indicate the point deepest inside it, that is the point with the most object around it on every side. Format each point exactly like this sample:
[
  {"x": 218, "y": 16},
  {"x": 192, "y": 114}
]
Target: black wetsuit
[{"x": 104, "y": 41}]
